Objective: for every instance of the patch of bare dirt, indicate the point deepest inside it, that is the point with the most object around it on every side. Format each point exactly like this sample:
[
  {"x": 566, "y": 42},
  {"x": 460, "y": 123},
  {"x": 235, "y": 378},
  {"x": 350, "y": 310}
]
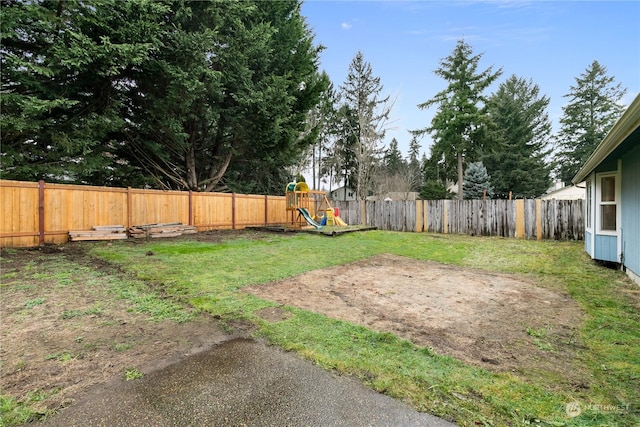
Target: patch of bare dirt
[
  {"x": 60, "y": 336},
  {"x": 497, "y": 321}
]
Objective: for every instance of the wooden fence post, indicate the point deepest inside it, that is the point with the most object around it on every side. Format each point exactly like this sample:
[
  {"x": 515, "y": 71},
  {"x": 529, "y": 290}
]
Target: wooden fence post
[
  {"x": 445, "y": 216},
  {"x": 520, "y": 219},
  {"x": 129, "y": 211},
  {"x": 538, "y": 219},
  {"x": 425, "y": 219},
  {"x": 41, "y": 212},
  {"x": 190, "y": 207},
  {"x": 266, "y": 210},
  {"x": 233, "y": 211}
]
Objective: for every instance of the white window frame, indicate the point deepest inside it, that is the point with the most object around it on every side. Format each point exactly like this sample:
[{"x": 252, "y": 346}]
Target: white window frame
[
  {"x": 600, "y": 203},
  {"x": 589, "y": 205}
]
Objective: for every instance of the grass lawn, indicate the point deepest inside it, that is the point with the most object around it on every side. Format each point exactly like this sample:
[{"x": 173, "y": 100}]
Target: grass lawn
[{"x": 208, "y": 276}]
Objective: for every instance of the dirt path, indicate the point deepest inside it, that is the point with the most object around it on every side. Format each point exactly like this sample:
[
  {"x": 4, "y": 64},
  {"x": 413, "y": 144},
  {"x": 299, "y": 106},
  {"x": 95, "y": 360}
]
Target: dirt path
[{"x": 497, "y": 321}]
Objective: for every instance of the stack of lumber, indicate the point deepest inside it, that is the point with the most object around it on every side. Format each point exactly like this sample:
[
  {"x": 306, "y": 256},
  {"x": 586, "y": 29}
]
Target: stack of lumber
[
  {"x": 99, "y": 232},
  {"x": 168, "y": 229}
]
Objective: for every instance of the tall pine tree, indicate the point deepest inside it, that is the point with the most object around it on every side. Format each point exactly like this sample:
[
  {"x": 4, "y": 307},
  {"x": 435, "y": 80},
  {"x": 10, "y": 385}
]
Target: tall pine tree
[
  {"x": 521, "y": 136},
  {"x": 393, "y": 161},
  {"x": 458, "y": 126},
  {"x": 414, "y": 164},
  {"x": 593, "y": 108},
  {"x": 362, "y": 95}
]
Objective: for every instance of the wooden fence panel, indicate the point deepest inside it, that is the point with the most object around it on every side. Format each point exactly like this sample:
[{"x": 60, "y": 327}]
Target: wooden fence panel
[
  {"x": 276, "y": 209},
  {"x": 249, "y": 210},
  {"x": 350, "y": 211},
  {"x": 67, "y": 207},
  {"x": 436, "y": 216},
  {"x": 74, "y": 207},
  {"x": 558, "y": 219},
  {"x": 393, "y": 216},
  {"x": 562, "y": 219},
  {"x": 530, "y": 219},
  {"x": 212, "y": 211},
  {"x": 156, "y": 206},
  {"x": 19, "y": 219}
]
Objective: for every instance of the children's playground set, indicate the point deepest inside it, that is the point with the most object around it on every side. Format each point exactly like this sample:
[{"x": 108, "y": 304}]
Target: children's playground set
[{"x": 307, "y": 207}]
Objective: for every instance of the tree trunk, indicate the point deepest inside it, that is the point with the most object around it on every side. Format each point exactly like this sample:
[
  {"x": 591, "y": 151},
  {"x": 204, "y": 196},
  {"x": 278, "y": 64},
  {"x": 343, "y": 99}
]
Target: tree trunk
[
  {"x": 218, "y": 172},
  {"x": 313, "y": 168},
  {"x": 192, "y": 177},
  {"x": 460, "y": 176}
]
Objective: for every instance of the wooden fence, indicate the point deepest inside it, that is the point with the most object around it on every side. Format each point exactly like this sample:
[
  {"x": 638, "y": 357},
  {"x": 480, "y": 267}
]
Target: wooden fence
[
  {"x": 35, "y": 213},
  {"x": 529, "y": 219}
]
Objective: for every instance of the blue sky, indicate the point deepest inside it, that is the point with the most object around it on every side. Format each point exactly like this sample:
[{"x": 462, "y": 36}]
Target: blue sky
[{"x": 549, "y": 42}]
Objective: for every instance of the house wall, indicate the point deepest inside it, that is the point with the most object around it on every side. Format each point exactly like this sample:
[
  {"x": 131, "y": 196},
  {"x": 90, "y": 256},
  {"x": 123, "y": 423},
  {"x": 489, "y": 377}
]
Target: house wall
[
  {"x": 630, "y": 181},
  {"x": 567, "y": 193},
  {"x": 587, "y": 242},
  {"x": 344, "y": 194},
  {"x": 606, "y": 248}
]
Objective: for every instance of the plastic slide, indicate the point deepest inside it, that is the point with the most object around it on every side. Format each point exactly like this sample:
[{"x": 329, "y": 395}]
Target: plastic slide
[
  {"x": 339, "y": 221},
  {"x": 307, "y": 217}
]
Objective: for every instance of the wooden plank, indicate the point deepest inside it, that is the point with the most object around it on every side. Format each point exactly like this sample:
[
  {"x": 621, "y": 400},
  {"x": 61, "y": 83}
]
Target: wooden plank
[
  {"x": 109, "y": 227},
  {"x": 170, "y": 234},
  {"x": 103, "y": 237}
]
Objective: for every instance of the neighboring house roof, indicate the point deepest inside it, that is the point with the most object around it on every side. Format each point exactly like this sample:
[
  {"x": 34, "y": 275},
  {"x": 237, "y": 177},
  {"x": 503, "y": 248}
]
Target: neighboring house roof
[
  {"x": 572, "y": 192},
  {"x": 616, "y": 142},
  {"x": 396, "y": 195},
  {"x": 343, "y": 188}
]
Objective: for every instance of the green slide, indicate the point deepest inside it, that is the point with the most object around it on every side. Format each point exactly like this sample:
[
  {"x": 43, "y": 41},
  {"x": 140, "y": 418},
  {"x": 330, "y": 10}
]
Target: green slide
[{"x": 307, "y": 216}]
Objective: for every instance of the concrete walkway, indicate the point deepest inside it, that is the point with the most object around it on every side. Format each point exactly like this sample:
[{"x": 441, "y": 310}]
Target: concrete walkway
[{"x": 237, "y": 383}]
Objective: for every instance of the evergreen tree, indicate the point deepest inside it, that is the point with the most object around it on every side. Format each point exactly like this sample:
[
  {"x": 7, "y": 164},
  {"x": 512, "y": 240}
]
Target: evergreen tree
[
  {"x": 65, "y": 67},
  {"x": 434, "y": 190},
  {"x": 205, "y": 95},
  {"x": 325, "y": 113},
  {"x": 433, "y": 186},
  {"x": 477, "y": 181},
  {"x": 393, "y": 161},
  {"x": 592, "y": 110},
  {"x": 224, "y": 103},
  {"x": 343, "y": 156},
  {"x": 361, "y": 93},
  {"x": 459, "y": 125},
  {"x": 521, "y": 133},
  {"x": 414, "y": 165}
]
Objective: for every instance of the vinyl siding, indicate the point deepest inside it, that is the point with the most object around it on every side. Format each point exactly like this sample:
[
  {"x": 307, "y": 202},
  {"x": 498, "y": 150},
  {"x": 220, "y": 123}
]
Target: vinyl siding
[
  {"x": 630, "y": 195},
  {"x": 606, "y": 248},
  {"x": 587, "y": 243}
]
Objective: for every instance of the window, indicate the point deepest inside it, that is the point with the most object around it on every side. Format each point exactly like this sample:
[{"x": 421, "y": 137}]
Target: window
[{"x": 608, "y": 208}]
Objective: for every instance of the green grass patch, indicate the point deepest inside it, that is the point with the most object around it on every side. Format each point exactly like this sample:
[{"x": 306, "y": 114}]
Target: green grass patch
[
  {"x": 121, "y": 346},
  {"x": 70, "y": 314},
  {"x": 209, "y": 276},
  {"x": 15, "y": 412},
  {"x": 34, "y": 302},
  {"x": 62, "y": 356},
  {"x": 131, "y": 374}
]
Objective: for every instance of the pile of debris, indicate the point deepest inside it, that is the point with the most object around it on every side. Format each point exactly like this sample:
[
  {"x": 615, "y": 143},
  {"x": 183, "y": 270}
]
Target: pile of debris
[
  {"x": 100, "y": 232},
  {"x": 168, "y": 229},
  {"x": 119, "y": 232}
]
